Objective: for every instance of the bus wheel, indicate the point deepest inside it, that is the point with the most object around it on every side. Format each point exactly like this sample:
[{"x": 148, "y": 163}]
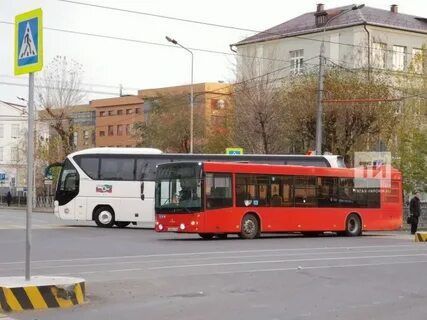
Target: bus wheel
[
  {"x": 221, "y": 236},
  {"x": 122, "y": 224},
  {"x": 250, "y": 227},
  {"x": 353, "y": 226},
  {"x": 104, "y": 217},
  {"x": 206, "y": 236}
]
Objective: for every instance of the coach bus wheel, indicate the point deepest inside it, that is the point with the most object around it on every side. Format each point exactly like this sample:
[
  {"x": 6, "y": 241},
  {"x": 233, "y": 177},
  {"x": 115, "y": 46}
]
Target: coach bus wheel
[
  {"x": 206, "y": 236},
  {"x": 250, "y": 227},
  {"x": 353, "y": 226},
  {"x": 104, "y": 217},
  {"x": 122, "y": 224}
]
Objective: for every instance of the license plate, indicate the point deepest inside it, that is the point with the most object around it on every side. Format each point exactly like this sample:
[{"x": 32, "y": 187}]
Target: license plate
[{"x": 173, "y": 229}]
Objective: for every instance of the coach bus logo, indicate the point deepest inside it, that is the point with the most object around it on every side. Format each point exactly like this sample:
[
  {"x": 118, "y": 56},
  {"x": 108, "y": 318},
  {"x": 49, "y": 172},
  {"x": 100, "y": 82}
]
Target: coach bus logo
[
  {"x": 248, "y": 202},
  {"x": 104, "y": 188}
]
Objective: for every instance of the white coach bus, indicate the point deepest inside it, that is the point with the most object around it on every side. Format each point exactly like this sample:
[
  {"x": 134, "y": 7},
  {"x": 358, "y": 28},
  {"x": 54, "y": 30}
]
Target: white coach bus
[{"x": 115, "y": 186}]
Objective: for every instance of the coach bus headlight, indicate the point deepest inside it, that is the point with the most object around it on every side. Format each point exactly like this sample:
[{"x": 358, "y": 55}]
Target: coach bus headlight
[
  {"x": 182, "y": 226},
  {"x": 160, "y": 227}
]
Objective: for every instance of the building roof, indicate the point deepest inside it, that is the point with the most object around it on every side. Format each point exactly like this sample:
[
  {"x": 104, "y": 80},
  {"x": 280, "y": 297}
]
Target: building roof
[
  {"x": 117, "y": 101},
  {"x": 306, "y": 23},
  {"x": 199, "y": 88},
  {"x": 15, "y": 107}
]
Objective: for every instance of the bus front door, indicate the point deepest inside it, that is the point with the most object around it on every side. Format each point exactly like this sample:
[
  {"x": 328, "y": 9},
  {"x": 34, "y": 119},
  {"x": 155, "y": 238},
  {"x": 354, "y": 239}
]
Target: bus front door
[{"x": 80, "y": 208}]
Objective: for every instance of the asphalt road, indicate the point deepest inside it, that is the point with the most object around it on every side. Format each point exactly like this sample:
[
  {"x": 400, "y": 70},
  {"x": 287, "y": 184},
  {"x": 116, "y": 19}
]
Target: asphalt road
[{"x": 135, "y": 273}]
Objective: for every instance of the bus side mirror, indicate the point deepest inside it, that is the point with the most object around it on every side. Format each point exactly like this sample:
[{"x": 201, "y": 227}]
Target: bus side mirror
[{"x": 142, "y": 191}]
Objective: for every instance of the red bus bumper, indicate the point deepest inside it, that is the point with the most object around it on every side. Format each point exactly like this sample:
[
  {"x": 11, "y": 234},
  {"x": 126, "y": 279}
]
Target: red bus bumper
[{"x": 180, "y": 222}]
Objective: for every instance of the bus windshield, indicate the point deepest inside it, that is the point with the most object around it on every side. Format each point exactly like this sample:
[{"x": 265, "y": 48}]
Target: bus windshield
[{"x": 179, "y": 188}]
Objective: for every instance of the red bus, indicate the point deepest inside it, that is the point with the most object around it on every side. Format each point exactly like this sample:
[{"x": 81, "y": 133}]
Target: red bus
[{"x": 218, "y": 198}]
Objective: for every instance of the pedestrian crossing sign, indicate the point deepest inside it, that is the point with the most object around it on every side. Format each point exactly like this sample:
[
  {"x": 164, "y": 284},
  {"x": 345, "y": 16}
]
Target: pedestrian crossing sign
[
  {"x": 28, "y": 42},
  {"x": 234, "y": 151}
]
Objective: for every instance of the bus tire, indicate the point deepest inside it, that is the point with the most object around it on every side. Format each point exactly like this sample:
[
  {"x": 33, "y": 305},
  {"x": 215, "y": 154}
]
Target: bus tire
[
  {"x": 206, "y": 236},
  {"x": 104, "y": 217},
  {"x": 122, "y": 224},
  {"x": 250, "y": 227},
  {"x": 353, "y": 226}
]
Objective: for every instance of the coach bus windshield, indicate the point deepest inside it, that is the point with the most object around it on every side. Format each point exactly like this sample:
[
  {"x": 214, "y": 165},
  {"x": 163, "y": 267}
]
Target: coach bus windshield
[
  {"x": 178, "y": 188},
  {"x": 68, "y": 183}
]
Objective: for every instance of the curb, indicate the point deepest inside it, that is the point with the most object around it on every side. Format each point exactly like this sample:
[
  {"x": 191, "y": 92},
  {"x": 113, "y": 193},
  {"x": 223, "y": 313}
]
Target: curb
[
  {"x": 421, "y": 236},
  {"x": 37, "y": 297}
]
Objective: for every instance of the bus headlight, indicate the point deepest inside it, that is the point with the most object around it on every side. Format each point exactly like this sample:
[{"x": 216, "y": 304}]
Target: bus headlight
[
  {"x": 160, "y": 227},
  {"x": 66, "y": 210},
  {"x": 182, "y": 226}
]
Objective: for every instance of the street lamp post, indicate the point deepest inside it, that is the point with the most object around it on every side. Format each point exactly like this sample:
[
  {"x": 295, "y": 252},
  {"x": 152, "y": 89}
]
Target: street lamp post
[
  {"x": 319, "y": 129},
  {"x": 191, "y": 92}
]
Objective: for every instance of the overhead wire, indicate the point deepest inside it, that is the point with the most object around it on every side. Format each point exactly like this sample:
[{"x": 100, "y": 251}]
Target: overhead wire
[{"x": 217, "y": 25}]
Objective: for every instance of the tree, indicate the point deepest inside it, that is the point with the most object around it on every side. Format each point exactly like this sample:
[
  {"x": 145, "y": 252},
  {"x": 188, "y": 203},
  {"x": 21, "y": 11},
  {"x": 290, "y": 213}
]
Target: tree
[
  {"x": 59, "y": 89},
  {"x": 258, "y": 125},
  {"x": 347, "y": 126},
  {"x": 168, "y": 125}
]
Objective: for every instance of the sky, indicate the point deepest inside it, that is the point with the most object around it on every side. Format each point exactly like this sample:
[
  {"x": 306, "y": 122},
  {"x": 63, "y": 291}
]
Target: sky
[{"x": 109, "y": 63}]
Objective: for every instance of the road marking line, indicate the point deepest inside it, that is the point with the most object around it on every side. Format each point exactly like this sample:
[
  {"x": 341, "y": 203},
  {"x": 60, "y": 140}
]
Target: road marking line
[
  {"x": 211, "y": 258},
  {"x": 321, "y": 267},
  {"x": 258, "y": 270},
  {"x": 283, "y": 261},
  {"x": 208, "y": 253}
]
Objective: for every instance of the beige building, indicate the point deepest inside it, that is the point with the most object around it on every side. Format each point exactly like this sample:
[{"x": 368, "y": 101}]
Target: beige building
[
  {"x": 364, "y": 38},
  {"x": 210, "y": 98},
  {"x": 81, "y": 117},
  {"x": 115, "y": 118}
]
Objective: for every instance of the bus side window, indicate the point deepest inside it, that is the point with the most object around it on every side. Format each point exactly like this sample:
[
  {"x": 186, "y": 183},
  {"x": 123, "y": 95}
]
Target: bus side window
[
  {"x": 218, "y": 191},
  {"x": 305, "y": 191}
]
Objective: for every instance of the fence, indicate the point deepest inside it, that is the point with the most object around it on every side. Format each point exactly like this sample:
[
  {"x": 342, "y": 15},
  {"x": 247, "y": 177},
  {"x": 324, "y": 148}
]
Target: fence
[{"x": 21, "y": 201}]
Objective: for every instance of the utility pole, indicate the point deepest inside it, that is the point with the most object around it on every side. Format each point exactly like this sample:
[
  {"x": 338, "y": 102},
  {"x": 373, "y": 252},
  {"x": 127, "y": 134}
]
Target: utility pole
[{"x": 319, "y": 120}]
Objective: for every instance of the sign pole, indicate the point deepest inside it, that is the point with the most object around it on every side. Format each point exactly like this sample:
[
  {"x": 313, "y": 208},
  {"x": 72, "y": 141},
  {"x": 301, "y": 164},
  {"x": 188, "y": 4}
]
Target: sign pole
[{"x": 30, "y": 164}]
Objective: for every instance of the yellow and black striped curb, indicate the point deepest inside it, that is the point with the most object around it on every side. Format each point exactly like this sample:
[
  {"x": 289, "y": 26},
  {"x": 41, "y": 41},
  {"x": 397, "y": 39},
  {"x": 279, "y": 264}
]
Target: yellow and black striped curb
[
  {"x": 420, "y": 236},
  {"x": 41, "y": 297}
]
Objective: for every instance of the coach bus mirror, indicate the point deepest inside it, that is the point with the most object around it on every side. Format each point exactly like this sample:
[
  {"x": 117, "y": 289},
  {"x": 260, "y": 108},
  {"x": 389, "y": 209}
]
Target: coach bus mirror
[{"x": 142, "y": 191}]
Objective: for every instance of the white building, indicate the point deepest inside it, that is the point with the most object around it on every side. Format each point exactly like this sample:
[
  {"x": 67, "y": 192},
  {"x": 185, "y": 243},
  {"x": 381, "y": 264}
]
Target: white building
[
  {"x": 13, "y": 129},
  {"x": 366, "y": 37}
]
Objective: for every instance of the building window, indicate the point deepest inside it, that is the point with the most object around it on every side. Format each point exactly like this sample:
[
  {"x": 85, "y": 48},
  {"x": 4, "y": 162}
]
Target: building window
[
  {"x": 111, "y": 130},
  {"x": 14, "y": 154},
  {"x": 137, "y": 110},
  {"x": 1, "y": 153},
  {"x": 1, "y": 131},
  {"x": 128, "y": 111},
  {"x": 297, "y": 59},
  {"x": 119, "y": 112},
  {"x": 379, "y": 55},
  {"x": 15, "y": 130},
  {"x": 128, "y": 128},
  {"x": 417, "y": 60},
  {"x": 86, "y": 134},
  {"x": 75, "y": 138},
  {"x": 399, "y": 58},
  {"x": 102, "y": 113},
  {"x": 111, "y": 113},
  {"x": 120, "y": 129},
  {"x": 102, "y": 133}
]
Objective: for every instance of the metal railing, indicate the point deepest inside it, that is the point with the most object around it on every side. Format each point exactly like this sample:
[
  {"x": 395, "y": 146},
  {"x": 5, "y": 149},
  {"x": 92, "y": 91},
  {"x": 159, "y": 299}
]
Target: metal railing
[{"x": 21, "y": 201}]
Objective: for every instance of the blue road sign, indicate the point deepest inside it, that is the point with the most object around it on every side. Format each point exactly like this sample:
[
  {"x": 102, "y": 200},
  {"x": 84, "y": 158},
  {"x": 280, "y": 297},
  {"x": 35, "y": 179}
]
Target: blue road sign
[{"x": 28, "y": 42}]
